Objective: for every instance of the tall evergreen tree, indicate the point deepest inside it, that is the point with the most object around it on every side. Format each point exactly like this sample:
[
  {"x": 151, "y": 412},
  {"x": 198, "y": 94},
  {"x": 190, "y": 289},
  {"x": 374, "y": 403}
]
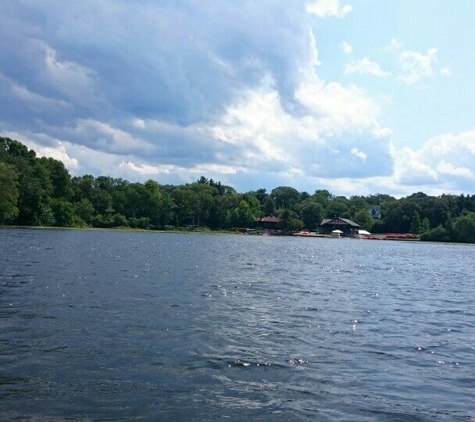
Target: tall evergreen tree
[{"x": 416, "y": 225}]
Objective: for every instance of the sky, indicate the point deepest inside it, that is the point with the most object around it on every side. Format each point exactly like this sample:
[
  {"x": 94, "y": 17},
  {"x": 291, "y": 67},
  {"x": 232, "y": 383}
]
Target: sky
[{"x": 358, "y": 97}]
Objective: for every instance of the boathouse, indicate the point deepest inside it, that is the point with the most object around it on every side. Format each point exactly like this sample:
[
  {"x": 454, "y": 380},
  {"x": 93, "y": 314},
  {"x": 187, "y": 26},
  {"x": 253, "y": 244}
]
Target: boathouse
[
  {"x": 348, "y": 227},
  {"x": 269, "y": 223}
]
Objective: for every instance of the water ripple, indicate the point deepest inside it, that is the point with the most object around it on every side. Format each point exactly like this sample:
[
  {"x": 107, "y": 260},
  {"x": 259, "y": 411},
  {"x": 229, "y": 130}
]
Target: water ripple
[{"x": 111, "y": 325}]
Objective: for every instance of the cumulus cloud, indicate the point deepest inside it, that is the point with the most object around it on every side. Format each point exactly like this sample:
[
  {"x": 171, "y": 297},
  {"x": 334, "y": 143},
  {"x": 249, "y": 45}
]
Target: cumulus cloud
[
  {"x": 326, "y": 8},
  {"x": 69, "y": 78},
  {"x": 35, "y": 101},
  {"x": 443, "y": 164},
  {"x": 108, "y": 138},
  {"x": 416, "y": 66},
  {"x": 320, "y": 143},
  {"x": 46, "y": 146},
  {"x": 395, "y": 44},
  {"x": 173, "y": 91},
  {"x": 365, "y": 66},
  {"x": 445, "y": 71},
  {"x": 347, "y": 48},
  {"x": 452, "y": 170},
  {"x": 223, "y": 88},
  {"x": 183, "y": 60},
  {"x": 412, "y": 170},
  {"x": 357, "y": 153}
]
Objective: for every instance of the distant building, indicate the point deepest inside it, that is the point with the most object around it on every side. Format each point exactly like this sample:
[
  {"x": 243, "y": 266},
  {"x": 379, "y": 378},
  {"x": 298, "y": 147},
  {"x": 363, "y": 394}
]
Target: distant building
[
  {"x": 347, "y": 227},
  {"x": 269, "y": 223},
  {"x": 375, "y": 211}
]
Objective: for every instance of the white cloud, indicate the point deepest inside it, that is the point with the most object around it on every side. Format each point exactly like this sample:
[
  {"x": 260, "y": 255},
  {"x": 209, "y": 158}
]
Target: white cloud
[
  {"x": 450, "y": 169},
  {"x": 255, "y": 127},
  {"x": 445, "y": 71},
  {"x": 35, "y": 101},
  {"x": 443, "y": 164},
  {"x": 72, "y": 79},
  {"x": 416, "y": 66},
  {"x": 357, "y": 153},
  {"x": 412, "y": 170},
  {"x": 139, "y": 123},
  {"x": 233, "y": 97},
  {"x": 395, "y": 44},
  {"x": 365, "y": 66},
  {"x": 58, "y": 152},
  {"x": 45, "y": 146},
  {"x": 340, "y": 125},
  {"x": 347, "y": 48},
  {"x": 177, "y": 89},
  {"x": 326, "y": 8},
  {"x": 338, "y": 109},
  {"x": 148, "y": 170},
  {"x": 105, "y": 137}
]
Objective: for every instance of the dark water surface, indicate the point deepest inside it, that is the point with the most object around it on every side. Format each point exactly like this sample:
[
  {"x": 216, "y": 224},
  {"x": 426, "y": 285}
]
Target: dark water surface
[{"x": 110, "y": 325}]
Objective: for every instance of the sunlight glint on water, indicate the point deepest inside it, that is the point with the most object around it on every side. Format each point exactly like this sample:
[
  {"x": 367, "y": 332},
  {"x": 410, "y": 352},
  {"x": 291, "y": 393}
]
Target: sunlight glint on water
[{"x": 120, "y": 325}]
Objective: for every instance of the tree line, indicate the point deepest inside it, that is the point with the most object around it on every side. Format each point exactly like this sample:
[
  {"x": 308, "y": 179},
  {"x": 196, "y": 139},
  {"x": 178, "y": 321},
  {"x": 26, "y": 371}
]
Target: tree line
[{"x": 40, "y": 192}]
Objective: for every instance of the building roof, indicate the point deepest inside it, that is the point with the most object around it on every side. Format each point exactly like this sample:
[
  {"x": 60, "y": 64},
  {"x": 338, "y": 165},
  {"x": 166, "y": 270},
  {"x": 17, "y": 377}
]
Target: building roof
[
  {"x": 337, "y": 221},
  {"x": 269, "y": 219}
]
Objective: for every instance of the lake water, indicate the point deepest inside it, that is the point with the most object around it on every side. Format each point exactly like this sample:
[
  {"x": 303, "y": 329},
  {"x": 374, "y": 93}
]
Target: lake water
[{"x": 111, "y": 325}]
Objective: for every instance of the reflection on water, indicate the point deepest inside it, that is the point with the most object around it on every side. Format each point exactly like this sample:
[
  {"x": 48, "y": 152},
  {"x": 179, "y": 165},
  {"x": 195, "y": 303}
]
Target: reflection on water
[{"x": 119, "y": 325}]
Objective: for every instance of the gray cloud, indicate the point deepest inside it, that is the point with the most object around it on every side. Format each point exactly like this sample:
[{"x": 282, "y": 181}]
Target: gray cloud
[
  {"x": 180, "y": 62},
  {"x": 153, "y": 84}
]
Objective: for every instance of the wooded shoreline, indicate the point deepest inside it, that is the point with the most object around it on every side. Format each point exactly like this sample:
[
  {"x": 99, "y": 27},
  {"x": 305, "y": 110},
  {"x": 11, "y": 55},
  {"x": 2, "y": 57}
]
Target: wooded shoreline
[{"x": 41, "y": 192}]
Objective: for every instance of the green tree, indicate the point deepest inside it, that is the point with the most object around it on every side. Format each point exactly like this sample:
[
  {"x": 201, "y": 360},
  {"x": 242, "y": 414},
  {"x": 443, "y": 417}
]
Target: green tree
[
  {"x": 311, "y": 213},
  {"x": 268, "y": 206},
  {"x": 63, "y": 212},
  {"x": 154, "y": 201},
  {"x": 254, "y": 204},
  {"x": 290, "y": 223},
  {"x": 102, "y": 200},
  {"x": 204, "y": 202},
  {"x": 84, "y": 210},
  {"x": 165, "y": 213},
  {"x": 356, "y": 204},
  {"x": 35, "y": 191},
  {"x": 364, "y": 219},
  {"x": 40, "y": 191},
  {"x": 285, "y": 197},
  {"x": 184, "y": 208},
  {"x": 34, "y": 184},
  {"x": 9, "y": 192},
  {"x": 58, "y": 176},
  {"x": 242, "y": 215},
  {"x": 136, "y": 203},
  {"x": 464, "y": 228},
  {"x": 379, "y": 198},
  {"x": 323, "y": 197},
  {"x": 416, "y": 225},
  {"x": 399, "y": 215},
  {"x": 83, "y": 187},
  {"x": 46, "y": 218},
  {"x": 293, "y": 225},
  {"x": 438, "y": 234},
  {"x": 220, "y": 217},
  {"x": 425, "y": 226},
  {"x": 338, "y": 207},
  {"x": 260, "y": 194}
]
